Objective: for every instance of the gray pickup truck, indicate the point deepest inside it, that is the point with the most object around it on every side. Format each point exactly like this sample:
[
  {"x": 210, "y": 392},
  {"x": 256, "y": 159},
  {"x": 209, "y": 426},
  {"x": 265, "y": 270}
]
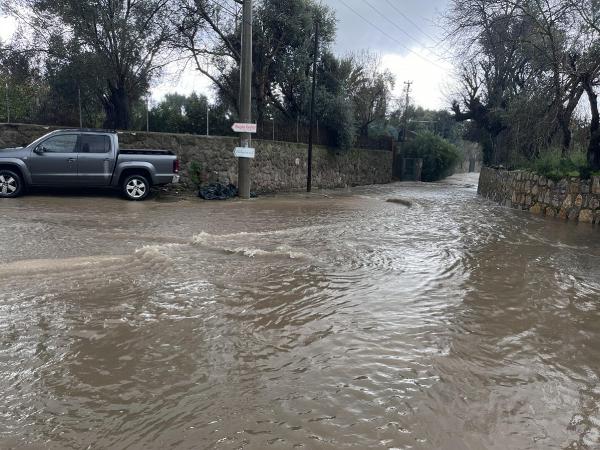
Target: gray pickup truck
[{"x": 85, "y": 158}]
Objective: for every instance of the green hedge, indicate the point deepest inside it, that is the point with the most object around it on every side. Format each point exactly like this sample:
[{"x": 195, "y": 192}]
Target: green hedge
[{"x": 439, "y": 156}]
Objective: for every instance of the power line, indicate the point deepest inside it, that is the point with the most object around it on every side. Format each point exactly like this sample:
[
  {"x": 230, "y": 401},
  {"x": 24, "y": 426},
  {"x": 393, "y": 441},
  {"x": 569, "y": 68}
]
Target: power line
[
  {"x": 398, "y": 27},
  {"x": 410, "y": 20},
  {"x": 389, "y": 36}
]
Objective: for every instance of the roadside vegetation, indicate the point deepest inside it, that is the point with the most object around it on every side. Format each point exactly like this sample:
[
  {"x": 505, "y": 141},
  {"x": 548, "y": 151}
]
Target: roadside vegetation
[
  {"x": 439, "y": 156},
  {"x": 553, "y": 165}
]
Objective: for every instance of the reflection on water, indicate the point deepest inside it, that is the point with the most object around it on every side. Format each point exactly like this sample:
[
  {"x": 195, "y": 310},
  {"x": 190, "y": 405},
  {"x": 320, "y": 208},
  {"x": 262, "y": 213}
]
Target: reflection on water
[{"x": 336, "y": 321}]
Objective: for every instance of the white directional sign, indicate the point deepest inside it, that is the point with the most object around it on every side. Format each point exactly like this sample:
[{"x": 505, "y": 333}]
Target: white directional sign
[
  {"x": 244, "y": 152},
  {"x": 244, "y": 127}
]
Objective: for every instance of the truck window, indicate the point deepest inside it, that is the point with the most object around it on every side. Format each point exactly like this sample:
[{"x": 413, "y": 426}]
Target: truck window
[
  {"x": 95, "y": 143},
  {"x": 64, "y": 143}
]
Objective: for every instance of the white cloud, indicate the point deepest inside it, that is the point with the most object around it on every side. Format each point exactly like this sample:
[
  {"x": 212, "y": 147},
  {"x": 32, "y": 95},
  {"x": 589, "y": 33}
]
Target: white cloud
[
  {"x": 182, "y": 81},
  {"x": 8, "y": 26},
  {"x": 429, "y": 80}
]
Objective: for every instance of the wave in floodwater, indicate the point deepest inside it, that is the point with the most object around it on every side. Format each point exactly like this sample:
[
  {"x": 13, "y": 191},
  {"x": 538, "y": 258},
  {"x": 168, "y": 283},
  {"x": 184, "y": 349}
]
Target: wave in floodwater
[{"x": 337, "y": 321}]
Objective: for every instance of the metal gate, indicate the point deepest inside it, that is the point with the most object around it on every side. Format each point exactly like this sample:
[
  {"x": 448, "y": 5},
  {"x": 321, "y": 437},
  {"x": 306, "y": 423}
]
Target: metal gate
[{"x": 408, "y": 169}]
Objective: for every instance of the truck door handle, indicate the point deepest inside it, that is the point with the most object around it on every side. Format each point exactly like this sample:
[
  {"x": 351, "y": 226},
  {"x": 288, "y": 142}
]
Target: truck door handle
[{"x": 71, "y": 159}]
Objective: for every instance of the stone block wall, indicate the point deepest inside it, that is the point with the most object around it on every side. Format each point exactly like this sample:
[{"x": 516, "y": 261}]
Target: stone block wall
[
  {"x": 568, "y": 199},
  {"x": 279, "y": 166}
]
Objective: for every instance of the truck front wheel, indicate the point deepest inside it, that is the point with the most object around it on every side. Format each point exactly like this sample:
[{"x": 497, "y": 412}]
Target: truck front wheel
[
  {"x": 136, "y": 187},
  {"x": 11, "y": 184}
]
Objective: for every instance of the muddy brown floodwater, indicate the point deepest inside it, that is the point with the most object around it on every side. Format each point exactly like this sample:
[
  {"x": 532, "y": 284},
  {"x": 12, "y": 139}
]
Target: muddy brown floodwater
[{"x": 320, "y": 322}]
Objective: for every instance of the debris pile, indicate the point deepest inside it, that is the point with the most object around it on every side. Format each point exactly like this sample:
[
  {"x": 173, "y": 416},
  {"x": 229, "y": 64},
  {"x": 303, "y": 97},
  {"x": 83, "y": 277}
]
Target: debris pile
[{"x": 218, "y": 191}]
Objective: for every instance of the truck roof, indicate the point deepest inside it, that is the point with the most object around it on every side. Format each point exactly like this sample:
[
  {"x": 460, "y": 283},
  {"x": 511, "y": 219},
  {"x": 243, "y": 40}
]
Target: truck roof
[{"x": 86, "y": 130}]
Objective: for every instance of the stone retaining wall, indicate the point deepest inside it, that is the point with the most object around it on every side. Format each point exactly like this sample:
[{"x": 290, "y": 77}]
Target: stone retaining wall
[
  {"x": 279, "y": 166},
  {"x": 569, "y": 199}
]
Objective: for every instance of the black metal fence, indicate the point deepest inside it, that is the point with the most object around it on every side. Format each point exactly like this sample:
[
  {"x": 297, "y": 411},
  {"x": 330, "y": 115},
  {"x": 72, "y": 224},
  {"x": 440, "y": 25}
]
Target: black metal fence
[{"x": 274, "y": 130}]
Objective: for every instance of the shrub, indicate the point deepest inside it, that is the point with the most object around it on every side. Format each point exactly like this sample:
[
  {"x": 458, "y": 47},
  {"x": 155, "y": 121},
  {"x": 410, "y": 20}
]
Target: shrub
[
  {"x": 554, "y": 166},
  {"x": 195, "y": 173},
  {"x": 439, "y": 156}
]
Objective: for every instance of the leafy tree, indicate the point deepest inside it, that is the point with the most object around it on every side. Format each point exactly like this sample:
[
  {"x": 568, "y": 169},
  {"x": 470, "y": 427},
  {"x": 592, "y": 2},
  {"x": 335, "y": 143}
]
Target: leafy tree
[
  {"x": 21, "y": 83},
  {"x": 351, "y": 91},
  {"x": 115, "y": 45},
  {"x": 187, "y": 114},
  {"x": 169, "y": 116}
]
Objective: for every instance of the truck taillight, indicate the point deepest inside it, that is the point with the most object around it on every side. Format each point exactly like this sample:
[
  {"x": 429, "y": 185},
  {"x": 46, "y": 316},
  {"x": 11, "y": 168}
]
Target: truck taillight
[{"x": 176, "y": 166}]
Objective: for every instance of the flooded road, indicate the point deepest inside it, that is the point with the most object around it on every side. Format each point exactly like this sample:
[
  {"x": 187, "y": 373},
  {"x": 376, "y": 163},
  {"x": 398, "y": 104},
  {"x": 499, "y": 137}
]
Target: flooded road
[{"x": 321, "y": 322}]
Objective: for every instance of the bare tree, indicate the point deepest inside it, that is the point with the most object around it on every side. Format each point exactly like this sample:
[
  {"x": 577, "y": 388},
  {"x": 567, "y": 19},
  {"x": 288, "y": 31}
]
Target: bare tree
[
  {"x": 523, "y": 59},
  {"x": 370, "y": 87}
]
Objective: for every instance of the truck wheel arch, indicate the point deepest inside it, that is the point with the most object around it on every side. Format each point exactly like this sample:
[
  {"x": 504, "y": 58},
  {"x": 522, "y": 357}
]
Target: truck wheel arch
[
  {"x": 127, "y": 172},
  {"x": 17, "y": 169},
  {"x": 12, "y": 183}
]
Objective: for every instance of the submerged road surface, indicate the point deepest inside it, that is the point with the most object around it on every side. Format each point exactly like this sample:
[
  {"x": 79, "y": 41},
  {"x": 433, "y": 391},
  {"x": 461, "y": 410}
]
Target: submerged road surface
[{"x": 318, "y": 322}]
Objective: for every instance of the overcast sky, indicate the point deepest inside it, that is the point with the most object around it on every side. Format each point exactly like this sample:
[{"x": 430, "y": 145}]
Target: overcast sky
[{"x": 403, "y": 32}]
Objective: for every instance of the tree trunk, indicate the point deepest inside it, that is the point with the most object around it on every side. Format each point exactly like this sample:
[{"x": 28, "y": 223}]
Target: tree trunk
[
  {"x": 594, "y": 145},
  {"x": 364, "y": 130},
  {"x": 260, "y": 93},
  {"x": 116, "y": 107},
  {"x": 567, "y": 135}
]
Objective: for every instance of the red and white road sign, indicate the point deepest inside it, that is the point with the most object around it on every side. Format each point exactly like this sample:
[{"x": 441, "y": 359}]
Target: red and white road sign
[{"x": 244, "y": 127}]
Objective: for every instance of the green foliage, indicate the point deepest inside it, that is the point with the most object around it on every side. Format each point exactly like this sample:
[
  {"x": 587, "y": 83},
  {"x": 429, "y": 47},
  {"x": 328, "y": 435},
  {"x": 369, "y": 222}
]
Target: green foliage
[
  {"x": 554, "y": 166},
  {"x": 109, "y": 49},
  {"x": 334, "y": 108},
  {"x": 439, "y": 156},
  {"x": 186, "y": 114},
  {"x": 170, "y": 115},
  {"x": 195, "y": 173}
]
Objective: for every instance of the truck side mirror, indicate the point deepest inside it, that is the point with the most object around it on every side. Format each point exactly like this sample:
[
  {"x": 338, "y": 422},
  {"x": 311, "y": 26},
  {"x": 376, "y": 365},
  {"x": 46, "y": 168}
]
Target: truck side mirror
[{"x": 39, "y": 150}]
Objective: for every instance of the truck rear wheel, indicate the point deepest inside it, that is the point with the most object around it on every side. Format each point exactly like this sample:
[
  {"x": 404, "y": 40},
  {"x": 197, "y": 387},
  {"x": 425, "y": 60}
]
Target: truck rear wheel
[
  {"x": 136, "y": 187},
  {"x": 11, "y": 184}
]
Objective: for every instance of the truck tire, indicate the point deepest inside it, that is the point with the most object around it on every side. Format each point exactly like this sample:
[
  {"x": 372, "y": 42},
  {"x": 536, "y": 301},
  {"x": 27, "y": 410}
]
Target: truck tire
[
  {"x": 11, "y": 184},
  {"x": 136, "y": 187}
]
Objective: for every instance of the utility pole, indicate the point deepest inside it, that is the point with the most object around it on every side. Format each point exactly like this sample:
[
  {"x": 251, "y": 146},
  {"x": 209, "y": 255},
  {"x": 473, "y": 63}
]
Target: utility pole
[
  {"x": 207, "y": 118},
  {"x": 408, "y": 84},
  {"x": 312, "y": 110},
  {"x": 147, "y": 114},
  {"x": 245, "y": 97},
  {"x": 297, "y": 128},
  {"x": 7, "y": 104},
  {"x": 80, "y": 115}
]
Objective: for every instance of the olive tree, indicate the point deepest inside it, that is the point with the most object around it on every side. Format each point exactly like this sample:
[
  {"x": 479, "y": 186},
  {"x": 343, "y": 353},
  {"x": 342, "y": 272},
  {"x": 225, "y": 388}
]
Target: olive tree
[{"x": 116, "y": 46}]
